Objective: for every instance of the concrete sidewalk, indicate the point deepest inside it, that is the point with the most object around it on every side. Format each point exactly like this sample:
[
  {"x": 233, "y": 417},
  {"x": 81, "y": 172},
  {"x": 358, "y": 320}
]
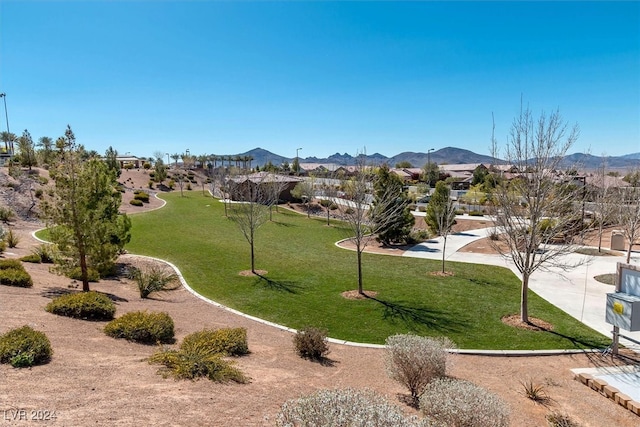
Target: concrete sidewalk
[{"x": 574, "y": 291}]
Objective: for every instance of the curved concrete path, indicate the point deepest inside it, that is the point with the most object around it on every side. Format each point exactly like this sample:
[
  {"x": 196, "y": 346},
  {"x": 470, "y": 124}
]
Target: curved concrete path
[{"x": 574, "y": 291}]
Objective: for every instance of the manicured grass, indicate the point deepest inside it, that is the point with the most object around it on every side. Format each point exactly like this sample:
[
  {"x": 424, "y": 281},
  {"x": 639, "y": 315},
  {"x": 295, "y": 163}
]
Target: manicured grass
[{"x": 307, "y": 273}]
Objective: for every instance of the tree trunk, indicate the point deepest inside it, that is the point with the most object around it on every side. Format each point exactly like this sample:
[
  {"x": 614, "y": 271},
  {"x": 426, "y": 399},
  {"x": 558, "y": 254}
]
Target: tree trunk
[
  {"x": 253, "y": 267},
  {"x": 328, "y": 218},
  {"x": 524, "y": 299},
  {"x": 360, "y": 290},
  {"x": 629, "y": 253},
  {"x": 444, "y": 247}
]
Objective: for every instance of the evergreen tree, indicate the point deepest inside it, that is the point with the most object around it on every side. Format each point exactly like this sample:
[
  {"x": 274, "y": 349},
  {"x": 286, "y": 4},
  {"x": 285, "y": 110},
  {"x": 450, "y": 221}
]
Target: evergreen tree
[
  {"x": 82, "y": 213},
  {"x": 27, "y": 150},
  {"x": 394, "y": 229}
]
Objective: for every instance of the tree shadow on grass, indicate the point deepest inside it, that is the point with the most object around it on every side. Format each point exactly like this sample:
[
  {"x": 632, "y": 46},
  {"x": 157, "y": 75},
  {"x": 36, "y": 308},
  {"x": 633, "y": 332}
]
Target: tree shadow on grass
[
  {"x": 278, "y": 285},
  {"x": 417, "y": 317},
  {"x": 57, "y": 291},
  {"x": 579, "y": 342}
]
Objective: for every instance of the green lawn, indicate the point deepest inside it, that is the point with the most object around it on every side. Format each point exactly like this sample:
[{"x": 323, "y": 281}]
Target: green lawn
[{"x": 307, "y": 273}]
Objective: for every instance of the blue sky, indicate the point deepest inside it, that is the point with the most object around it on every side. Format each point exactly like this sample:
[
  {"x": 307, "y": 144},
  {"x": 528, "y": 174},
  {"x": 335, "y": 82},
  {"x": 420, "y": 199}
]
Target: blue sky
[{"x": 327, "y": 77}]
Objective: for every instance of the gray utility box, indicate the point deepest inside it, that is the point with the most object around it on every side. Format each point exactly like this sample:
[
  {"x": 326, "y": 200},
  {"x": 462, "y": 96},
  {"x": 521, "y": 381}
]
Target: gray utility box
[{"x": 623, "y": 311}]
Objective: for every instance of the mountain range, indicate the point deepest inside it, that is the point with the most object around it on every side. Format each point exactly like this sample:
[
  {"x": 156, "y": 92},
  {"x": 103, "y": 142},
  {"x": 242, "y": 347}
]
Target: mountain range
[{"x": 448, "y": 155}]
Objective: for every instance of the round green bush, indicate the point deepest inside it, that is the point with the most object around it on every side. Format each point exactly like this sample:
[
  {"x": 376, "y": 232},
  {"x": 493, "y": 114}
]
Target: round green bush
[
  {"x": 23, "y": 347},
  {"x": 227, "y": 341},
  {"x": 142, "y": 327},
  {"x": 83, "y": 305},
  {"x": 14, "y": 264},
  {"x": 15, "y": 277},
  {"x": 136, "y": 202}
]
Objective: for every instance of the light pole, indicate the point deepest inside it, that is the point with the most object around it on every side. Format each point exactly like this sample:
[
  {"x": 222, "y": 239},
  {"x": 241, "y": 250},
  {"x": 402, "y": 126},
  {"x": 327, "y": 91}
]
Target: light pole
[
  {"x": 6, "y": 116},
  {"x": 429, "y": 166},
  {"x": 186, "y": 158},
  {"x": 168, "y": 162},
  {"x": 298, "y": 161}
]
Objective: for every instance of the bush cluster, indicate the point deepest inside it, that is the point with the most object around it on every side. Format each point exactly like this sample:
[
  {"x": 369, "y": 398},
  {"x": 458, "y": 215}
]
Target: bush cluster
[
  {"x": 142, "y": 196},
  {"x": 23, "y": 347},
  {"x": 83, "y": 305},
  {"x": 32, "y": 258},
  {"x": 456, "y": 402},
  {"x": 197, "y": 358},
  {"x": 345, "y": 407},
  {"x": 311, "y": 343},
  {"x": 136, "y": 202},
  {"x": 226, "y": 341},
  {"x": 12, "y": 273},
  {"x": 12, "y": 239},
  {"x": 556, "y": 419},
  {"x": 142, "y": 327},
  {"x": 415, "y": 361}
]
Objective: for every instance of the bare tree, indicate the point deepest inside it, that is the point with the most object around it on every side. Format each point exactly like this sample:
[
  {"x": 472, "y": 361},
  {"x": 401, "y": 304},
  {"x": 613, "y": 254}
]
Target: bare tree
[
  {"x": 274, "y": 186},
  {"x": 441, "y": 214},
  {"x": 250, "y": 211},
  {"x": 536, "y": 209},
  {"x": 602, "y": 200},
  {"x": 356, "y": 212},
  {"x": 305, "y": 190},
  {"x": 628, "y": 215}
]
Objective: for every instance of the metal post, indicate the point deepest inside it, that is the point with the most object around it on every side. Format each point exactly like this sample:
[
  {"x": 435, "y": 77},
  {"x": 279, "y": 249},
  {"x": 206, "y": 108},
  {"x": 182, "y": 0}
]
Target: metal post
[
  {"x": 297, "y": 161},
  {"x": 429, "y": 166},
  {"x": 6, "y": 116}
]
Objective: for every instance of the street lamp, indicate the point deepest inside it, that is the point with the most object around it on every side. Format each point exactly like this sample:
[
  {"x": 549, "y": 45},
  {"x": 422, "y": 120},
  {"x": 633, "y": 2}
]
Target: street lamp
[
  {"x": 429, "y": 166},
  {"x": 186, "y": 157},
  {"x": 168, "y": 162},
  {"x": 6, "y": 116},
  {"x": 298, "y": 161}
]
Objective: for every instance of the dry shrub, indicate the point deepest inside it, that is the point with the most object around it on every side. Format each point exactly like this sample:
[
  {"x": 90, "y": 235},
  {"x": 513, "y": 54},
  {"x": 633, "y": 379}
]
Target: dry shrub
[
  {"x": 415, "y": 361},
  {"x": 346, "y": 407},
  {"x": 311, "y": 343},
  {"x": 455, "y": 402}
]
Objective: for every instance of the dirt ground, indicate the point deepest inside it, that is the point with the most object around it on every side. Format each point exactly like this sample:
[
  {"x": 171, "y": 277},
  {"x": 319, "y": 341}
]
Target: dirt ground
[{"x": 96, "y": 380}]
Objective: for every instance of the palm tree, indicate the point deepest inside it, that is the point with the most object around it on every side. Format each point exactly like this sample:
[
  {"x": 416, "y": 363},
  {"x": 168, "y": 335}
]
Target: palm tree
[
  {"x": 8, "y": 138},
  {"x": 175, "y": 157}
]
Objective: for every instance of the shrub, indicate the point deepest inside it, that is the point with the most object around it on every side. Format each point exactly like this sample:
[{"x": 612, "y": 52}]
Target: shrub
[
  {"x": 534, "y": 391},
  {"x": 476, "y": 213},
  {"x": 15, "y": 277},
  {"x": 146, "y": 166},
  {"x": 76, "y": 274},
  {"x": 150, "y": 184},
  {"x": 3, "y": 245},
  {"x": 171, "y": 184},
  {"x": 136, "y": 202},
  {"x": 45, "y": 252},
  {"x": 6, "y": 214},
  {"x": 188, "y": 186},
  {"x": 195, "y": 360},
  {"x": 43, "y": 180},
  {"x": 142, "y": 196},
  {"x": 349, "y": 211},
  {"x": 22, "y": 347},
  {"x": 12, "y": 239},
  {"x": 226, "y": 341},
  {"x": 556, "y": 419},
  {"x": 33, "y": 258},
  {"x": 83, "y": 305},
  {"x": 38, "y": 193},
  {"x": 346, "y": 407},
  {"x": 311, "y": 343},
  {"x": 10, "y": 264},
  {"x": 142, "y": 327},
  {"x": 461, "y": 403},
  {"x": 154, "y": 279},
  {"x": 415, "y": 361}
]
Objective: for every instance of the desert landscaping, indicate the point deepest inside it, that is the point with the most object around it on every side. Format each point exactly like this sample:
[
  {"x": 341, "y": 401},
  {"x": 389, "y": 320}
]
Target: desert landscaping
[{"x": 93, "y": 379}]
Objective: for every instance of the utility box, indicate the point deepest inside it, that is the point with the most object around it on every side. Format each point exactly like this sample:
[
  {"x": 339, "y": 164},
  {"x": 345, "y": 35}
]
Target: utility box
[
  {"x": 617, "y": 240},
  {"x": 623, "y": 311}
]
